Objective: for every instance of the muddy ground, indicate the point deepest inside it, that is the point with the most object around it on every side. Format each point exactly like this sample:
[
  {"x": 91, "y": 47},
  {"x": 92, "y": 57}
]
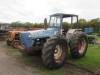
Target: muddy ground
[{"x": 10, "y": 65}]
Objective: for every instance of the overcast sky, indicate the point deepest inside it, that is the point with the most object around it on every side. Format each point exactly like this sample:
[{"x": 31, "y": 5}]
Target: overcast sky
[{"x": 37, "y": 10}]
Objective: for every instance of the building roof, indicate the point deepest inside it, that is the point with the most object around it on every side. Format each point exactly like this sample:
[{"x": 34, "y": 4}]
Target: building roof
[{"x": 65, "y": 15}]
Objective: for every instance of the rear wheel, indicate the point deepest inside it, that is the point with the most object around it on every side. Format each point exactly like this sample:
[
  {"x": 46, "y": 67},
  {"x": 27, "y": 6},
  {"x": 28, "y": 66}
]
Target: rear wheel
[
  {"x": 78, "y": 45},
  {"x": 54, "y": 53}
]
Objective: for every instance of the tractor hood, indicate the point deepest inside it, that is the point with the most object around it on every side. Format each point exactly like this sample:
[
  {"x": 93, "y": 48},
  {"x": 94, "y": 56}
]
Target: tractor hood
[
  {"x": 43, "y": 33},
  {"x": 27, "y": 37}
]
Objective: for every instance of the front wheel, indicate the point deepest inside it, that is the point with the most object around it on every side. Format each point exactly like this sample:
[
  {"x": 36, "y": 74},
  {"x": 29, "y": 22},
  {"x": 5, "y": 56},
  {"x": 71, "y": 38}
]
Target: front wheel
[
  {"x": 78, "y": 45},
  {"x": 15, "y": 43},
  {"x": 54, "y": 53}
]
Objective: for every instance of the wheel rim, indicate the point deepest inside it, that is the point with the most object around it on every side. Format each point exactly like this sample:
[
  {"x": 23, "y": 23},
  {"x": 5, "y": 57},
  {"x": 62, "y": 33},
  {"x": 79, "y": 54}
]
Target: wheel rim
[
  {"x": 16, "y": 44},
  {"x": 81, "y": 45},
  {"x": 58, "y": 54}
]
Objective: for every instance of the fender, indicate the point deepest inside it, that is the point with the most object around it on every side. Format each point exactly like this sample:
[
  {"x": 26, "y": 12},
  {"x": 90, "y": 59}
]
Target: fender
[{"x": 71, "y": 31}]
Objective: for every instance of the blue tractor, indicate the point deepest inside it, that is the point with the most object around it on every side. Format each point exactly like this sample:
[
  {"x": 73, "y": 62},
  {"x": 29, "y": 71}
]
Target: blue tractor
[{"x": 54, "y": 41}]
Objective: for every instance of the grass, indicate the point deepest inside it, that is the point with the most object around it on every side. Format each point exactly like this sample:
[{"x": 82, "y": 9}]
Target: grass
[{"x": 90, "y": 61}]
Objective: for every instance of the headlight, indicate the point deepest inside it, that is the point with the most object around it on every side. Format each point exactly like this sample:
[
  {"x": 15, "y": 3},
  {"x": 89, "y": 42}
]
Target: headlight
[
  {"x": 37, "y": 39},
  {"x": 30, "y": 36}
]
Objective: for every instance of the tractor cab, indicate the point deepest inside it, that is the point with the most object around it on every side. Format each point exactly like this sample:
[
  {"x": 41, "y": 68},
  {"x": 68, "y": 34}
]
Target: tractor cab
[{"x": 57, "y": 21}]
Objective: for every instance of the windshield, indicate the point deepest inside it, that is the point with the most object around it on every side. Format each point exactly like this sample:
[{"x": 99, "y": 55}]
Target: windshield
[{"x": 55, "y": 21}]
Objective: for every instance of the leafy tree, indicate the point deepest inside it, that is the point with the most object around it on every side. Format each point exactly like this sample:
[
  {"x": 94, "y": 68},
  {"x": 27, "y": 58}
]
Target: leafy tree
[{"x": 95, "y": 23}]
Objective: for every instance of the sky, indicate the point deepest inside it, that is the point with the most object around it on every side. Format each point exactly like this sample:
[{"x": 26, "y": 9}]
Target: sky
[{"x": 36, "y": 10}]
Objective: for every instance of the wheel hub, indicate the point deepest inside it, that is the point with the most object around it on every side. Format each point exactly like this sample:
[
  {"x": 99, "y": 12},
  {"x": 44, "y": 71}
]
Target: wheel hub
[
  {"x": 16, "y": 44},
  {"x": 58, "y": 54}
]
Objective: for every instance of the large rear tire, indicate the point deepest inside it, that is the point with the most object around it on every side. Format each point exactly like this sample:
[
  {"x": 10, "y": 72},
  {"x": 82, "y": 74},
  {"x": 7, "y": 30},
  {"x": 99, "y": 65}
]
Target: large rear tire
[
  {"x": 54, "y": 53},
  {"x": 78, "y": 44}
]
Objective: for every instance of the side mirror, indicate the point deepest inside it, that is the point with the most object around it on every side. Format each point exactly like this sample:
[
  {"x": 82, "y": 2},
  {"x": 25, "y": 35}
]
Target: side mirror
[{"x": 45, "y": 23}]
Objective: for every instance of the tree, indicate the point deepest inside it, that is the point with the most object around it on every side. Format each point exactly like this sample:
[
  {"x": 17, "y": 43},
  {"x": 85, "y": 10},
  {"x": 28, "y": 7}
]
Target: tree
[
  {"x": 95, "y": 23},
  {"x": 82, "y": 23}
]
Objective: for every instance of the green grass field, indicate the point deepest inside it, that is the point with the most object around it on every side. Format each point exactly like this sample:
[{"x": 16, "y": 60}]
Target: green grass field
[{"x": 92, "y": 59}]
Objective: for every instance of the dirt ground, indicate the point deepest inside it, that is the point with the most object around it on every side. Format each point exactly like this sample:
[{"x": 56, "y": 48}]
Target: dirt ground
[{"x": 11, "y": 66}]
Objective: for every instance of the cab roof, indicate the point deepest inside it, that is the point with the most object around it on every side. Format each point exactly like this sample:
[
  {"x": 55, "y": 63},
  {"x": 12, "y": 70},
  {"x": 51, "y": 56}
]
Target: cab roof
[{"x": 64, "y": 15}]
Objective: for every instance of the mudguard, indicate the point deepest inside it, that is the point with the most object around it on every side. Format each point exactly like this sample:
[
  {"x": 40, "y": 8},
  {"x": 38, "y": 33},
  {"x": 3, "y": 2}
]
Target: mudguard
[{"x": 70, "y": 33}]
